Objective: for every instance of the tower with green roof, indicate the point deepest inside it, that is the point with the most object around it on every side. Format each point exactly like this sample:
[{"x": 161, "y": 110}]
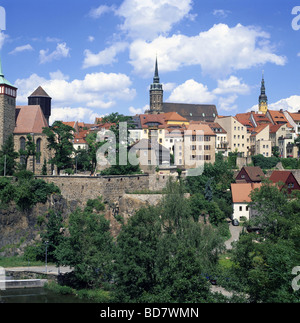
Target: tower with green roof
[{"x": 8, "y": 95}]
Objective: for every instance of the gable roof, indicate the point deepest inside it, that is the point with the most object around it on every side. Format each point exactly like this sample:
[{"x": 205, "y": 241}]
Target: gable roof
[
  {"x": 255, "y": 173},
  {"x": 40, "y": 92},
  {"x": 295, "y": 116},
  {"x": 280, "y": 176},
  {"x": 241, "y": 191},
  {"x": 258, "y": 129},
  {"x": 196, "y": 112},
  {"x": 278, "y": 117},
  {"x": 30, "y": 119}
]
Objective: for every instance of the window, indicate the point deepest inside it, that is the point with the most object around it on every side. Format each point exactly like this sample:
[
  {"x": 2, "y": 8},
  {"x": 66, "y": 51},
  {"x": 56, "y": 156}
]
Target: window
[
  {"x": 241, "y": 208},
  {"x": 247, "y": 208},
  {"x": 38, "y": 151},
  {"x": 160, "y": 140},
  {"x": 22, "y": 147}
]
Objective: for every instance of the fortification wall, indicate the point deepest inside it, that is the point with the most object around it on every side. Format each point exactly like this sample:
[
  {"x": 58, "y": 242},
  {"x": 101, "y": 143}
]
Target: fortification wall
[{"x": 112, "y": 188}]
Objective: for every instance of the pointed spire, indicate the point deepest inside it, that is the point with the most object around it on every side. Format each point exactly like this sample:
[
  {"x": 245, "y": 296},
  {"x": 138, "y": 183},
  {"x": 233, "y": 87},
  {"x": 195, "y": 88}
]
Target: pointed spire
[{"x": 156, "y": 76}]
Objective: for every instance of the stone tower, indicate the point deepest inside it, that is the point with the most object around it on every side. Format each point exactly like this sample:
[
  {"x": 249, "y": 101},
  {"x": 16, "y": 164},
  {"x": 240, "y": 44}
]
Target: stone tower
[
  {"x": 41, "y": 98},
  {"x": 263, "y": 100},
  {"x": 156, "y": 93},
  {"x": 8, "y": 94}
]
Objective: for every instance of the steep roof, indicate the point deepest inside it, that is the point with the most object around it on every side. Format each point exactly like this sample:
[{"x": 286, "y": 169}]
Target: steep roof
[
  {"x": 258, "y": 129},
  {"x": 241, "y": 191},
  {"x": 29, "y": 119},
  {"x": 255, "y": 173},
  {"x": 196, "y": 112},
  {"x": 280, "y": 176},
  {"x": 295, "y": 116},
  {"x": 40, "y": 92},
  {"x": 278, "y": 117}
]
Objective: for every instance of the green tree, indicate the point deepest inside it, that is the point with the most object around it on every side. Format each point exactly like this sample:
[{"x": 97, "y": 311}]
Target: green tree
[
  {"x": 263, "y": 263},
  {"x": 8, "y": 157},
  {"x": 88, "y": 248},
  {"x": 163, "y": 254},
  {"x": 60, "y": 140},
  {"x": 30, "y": 150}
]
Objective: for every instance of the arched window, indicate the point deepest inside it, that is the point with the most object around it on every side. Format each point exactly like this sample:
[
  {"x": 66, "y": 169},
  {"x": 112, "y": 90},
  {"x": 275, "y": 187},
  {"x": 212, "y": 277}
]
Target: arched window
[
  {"x": 22, "y": 147},
  {"x": 38, "y": 151}
]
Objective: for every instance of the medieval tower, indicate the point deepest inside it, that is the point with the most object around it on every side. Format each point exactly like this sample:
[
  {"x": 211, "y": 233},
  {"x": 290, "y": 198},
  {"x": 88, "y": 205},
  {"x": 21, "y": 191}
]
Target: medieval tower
[
  {"x": 41, "y": 98},
  {"x": 156, "y": 93},
  {"x": 8, "y": 94},
  {"x": 263, "y": 100}
]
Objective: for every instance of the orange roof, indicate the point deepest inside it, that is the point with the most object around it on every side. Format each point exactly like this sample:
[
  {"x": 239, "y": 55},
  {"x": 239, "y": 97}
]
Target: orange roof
[
  {"x": 201, "y": 127},
  {"x": 244, "y": 119},
  {"x": 275, "y": 128},
  {"x": 241, "y": 191},
  {"x": 69, "y": 123},
  {"x": 258, "y": 129},
  {"x": 29, "y": 119},
  {"x": 173, "y": 116},
  {"x": 295, "y": 116},
  {"x": 279, "y": 117}
]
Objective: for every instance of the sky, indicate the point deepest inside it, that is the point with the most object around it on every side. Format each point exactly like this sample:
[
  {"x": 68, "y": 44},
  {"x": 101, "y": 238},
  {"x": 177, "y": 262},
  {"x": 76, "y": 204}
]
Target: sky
[{"x": 96, "y": 57}]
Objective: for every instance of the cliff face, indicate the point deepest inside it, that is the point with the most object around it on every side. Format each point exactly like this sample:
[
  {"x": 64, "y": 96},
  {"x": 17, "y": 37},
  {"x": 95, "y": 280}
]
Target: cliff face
[{"x": 19, "y": 229}]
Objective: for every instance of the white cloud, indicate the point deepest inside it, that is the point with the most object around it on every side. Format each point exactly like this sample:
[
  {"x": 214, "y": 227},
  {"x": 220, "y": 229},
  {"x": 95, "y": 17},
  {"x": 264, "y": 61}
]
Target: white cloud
[
  {"x": 105, "y": 57},
  {"x": 3, "y": 37},
  {"x": 227, "y": 103},
  {"x": 61, "y": 51},
  {"x": 97, "y": 90},
  {"x": 133, "y": 111},
  {"x": 20, "y": 49},
  {"x": 101, "y": 10},
  {"x": 150, "y": 18},
  {"x": 232, "y": 85},
  {"x": 219, "y": 51},
  {"x": 72, "y": 114},
  {"x": 221, "y": 13},
  {"x": 292, "y": 104},
  {"x": 90, "y": 39},
  {"x": 191, "y": 92}
]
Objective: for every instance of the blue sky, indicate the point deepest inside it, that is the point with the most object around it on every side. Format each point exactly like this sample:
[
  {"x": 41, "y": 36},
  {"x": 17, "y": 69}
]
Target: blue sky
[{"x": 96, "y": 57}]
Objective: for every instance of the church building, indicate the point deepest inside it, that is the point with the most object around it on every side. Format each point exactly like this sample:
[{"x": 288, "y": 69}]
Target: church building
[
  {"x": 191, "y": 112},
  {"x": 21, "y": 121}
]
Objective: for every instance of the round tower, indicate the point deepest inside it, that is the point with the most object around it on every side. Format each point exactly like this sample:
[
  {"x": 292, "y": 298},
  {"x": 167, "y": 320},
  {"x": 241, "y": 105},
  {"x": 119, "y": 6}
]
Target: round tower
[{"x": 8, "y": 94}]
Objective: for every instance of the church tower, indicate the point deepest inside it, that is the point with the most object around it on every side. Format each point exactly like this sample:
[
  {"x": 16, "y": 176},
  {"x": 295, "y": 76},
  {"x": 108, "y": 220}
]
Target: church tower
[
  {"x": 8, "y": 95},
  {"x": 263, "y": 100},
  {"x": 41, "y": 98},
  {"x": 156, "y": 93}
]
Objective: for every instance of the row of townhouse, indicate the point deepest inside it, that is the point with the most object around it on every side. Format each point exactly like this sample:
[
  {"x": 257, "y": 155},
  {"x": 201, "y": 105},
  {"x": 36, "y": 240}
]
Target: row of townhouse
[
  {"x": 254, "y": 133},
  {"x": 189, "y": 143}
]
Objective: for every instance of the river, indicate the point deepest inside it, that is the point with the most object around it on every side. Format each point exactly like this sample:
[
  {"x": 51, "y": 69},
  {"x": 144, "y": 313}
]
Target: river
[{"x": 36, "y": 295}]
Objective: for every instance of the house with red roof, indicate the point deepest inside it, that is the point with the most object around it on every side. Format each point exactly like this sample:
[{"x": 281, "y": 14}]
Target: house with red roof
[
  {"x": 285, "y": 179},
  {"x": 241, "y": 198}
]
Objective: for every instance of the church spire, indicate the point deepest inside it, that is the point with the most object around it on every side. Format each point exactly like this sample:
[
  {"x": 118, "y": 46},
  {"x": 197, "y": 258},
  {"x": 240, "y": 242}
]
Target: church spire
[
  {"x": 156, "y": 92},
  {"x": 263, "y": 99},
  {"x": 156, "y": 76}
]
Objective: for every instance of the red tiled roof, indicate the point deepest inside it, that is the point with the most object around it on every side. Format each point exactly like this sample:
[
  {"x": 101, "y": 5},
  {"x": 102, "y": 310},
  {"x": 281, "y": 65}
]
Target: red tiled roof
[
  {"x": 29, "y": 119},
  {"x": 241, "y": 191}
]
